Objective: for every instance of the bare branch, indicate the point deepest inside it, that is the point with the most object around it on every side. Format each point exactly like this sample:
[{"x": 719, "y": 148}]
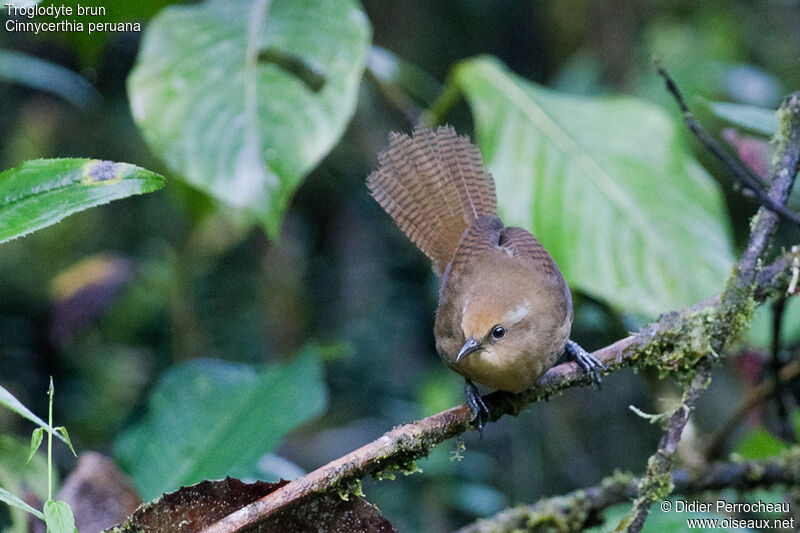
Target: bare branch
[{"x": 743, "y": 175}]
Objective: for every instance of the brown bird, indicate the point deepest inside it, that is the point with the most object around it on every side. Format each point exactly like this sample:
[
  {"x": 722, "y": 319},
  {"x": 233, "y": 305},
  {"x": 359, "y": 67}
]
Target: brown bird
[{"x": 505, "y": 311}]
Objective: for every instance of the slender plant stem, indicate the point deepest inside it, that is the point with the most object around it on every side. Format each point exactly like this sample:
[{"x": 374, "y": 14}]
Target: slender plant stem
[{"x": 50, "y": 393}]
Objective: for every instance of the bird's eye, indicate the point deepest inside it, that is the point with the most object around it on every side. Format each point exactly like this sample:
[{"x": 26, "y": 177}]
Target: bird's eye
[{"x": 498, "y": 332}]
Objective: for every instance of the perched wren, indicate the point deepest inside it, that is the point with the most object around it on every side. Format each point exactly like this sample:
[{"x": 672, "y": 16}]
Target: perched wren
[{"x": 505, "y": 311}]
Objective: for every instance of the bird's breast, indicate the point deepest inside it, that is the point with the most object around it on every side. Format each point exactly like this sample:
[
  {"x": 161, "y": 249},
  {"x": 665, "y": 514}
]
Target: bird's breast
[{"x": 534, "y": 308}]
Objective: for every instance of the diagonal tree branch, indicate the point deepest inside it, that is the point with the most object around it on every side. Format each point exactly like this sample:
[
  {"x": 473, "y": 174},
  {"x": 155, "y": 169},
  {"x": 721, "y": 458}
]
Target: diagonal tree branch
[
  {"x": 675, "y": 344},
  {"x": 736, "y": 301}
]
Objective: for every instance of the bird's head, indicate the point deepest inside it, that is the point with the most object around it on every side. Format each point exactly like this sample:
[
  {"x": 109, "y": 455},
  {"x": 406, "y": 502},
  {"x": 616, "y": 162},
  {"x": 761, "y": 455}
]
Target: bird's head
[{"x": 495, "y": 323}]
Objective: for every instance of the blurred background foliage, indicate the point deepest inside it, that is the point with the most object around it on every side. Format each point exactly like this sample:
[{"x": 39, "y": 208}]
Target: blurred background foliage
[{"x": 112, "y": 299}]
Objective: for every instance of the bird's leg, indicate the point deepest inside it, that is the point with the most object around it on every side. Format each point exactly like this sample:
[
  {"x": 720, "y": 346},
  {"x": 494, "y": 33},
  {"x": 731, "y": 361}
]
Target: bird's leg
[
  {"x": 585, "y": 360},
  {"x": 479, "y": 411}
]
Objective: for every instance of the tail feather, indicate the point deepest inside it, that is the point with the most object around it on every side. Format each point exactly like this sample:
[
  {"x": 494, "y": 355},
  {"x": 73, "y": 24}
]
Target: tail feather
[
  {"x": 474, "y": 185},
  {"x": 433, "y": 185}
]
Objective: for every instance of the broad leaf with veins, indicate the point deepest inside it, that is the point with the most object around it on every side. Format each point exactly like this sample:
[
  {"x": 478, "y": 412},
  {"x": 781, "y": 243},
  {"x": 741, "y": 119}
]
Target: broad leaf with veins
[
  {"x": 606, "y": 184},
  {"x": 242, "y": 98}
]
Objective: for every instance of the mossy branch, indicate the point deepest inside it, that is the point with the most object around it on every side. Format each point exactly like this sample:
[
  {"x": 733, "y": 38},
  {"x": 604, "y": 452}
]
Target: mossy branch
[
  {"x": 736, "y": 304},
  {"x": 582, "y": 508},
  {"x": 657, "y": 482},
  {"x": 678, "y": 344}
]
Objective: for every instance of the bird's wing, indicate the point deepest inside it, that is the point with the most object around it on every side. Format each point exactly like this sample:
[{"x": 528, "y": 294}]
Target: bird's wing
[{"x": 525, "y": 246}]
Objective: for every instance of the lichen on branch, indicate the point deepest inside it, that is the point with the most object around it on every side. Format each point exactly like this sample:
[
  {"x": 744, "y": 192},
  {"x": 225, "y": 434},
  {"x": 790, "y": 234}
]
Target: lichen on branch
[{"x": 583, "y": 508}]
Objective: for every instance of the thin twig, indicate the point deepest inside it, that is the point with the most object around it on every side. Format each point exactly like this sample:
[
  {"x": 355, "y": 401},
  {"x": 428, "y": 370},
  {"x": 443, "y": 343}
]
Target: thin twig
[
  {"x": 740, "y": 287},
  {"x": 743, "y": 175}
]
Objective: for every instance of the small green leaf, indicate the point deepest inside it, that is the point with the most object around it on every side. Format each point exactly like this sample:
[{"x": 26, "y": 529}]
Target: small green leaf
[
  {"x": 207, "y": 419},
  {"x": 243, "y": 98},
  {"x": 58, "y": 517},
  {"x": 606, "y": 184},
  {"x": 759, "y": 444},
  {"x": 749, "y": 117},
  {"x": 36, "y": 441},
  {"x": 14, "y": 501},
  {"x": 41, "y": 192},
  {"x": 9, "y": 400},
  {"x": 63, "y": 431}
]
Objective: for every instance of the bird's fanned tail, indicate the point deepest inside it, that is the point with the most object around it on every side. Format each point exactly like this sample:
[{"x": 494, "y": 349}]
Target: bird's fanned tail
[{"x": 433, "y": 184}]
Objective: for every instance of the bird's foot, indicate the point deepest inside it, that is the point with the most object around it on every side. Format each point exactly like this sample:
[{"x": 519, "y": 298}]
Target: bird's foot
[
  {"x": 585, "y": 360},
  {"x": 480, "y": 413}
]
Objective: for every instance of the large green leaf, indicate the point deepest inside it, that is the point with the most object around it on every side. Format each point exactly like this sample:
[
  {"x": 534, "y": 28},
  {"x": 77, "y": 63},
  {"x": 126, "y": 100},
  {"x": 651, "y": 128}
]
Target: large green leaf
[
  {"x": 39, "y": 193},
  {"x": 608, "y": 187},
  {"x": 243, "y": 98},
  {"x": 208, "y": 419}
]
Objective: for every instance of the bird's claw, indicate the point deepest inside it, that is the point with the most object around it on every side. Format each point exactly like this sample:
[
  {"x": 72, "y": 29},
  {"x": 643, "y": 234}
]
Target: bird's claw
[
  {"x": 588, "y": 363},
  {"x": 480, "y": 413}
]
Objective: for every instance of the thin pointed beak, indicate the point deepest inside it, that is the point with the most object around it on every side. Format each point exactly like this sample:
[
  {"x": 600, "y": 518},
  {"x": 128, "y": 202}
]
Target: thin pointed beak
[{"x": 470, "y": 346}]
